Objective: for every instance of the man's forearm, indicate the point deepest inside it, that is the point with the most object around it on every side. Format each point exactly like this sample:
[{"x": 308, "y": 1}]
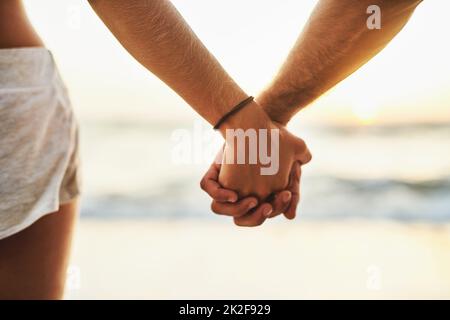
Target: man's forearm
[
  {"x": 334, "y": 43},
  {"x": 159, "y": 38}
]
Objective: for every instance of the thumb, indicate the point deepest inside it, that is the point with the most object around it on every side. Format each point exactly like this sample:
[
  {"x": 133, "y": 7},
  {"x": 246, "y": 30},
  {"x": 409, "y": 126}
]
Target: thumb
[{"x": 302, "y": 152}]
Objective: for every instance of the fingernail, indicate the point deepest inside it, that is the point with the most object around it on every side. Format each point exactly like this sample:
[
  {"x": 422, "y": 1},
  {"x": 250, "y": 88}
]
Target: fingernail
[
  {"x": 286, "y": 197},
  {"x": 251, "y": 205},
  {"x": 267, "y": 212},
  {"x": 232, "y": 199}
]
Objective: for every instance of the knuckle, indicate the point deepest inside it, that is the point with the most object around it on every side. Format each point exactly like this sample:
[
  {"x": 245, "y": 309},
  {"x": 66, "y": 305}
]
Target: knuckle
[
  {"x": 241, "y": 209},
  {"x": 264, "y": 191},
  {"x": 203, "y": 184},
  {"x": 219, "y": 195},
  {"x": 214, "y": 207},
  {"x": 302, "y": 144},
  {"x": 248, "y": 223},
  {"x": 257, "y": 223},
  {"x": 241, "y": 223},
  {"x": 236, "y": 213},
  {"x": 278, "y": 207},
  {"x": 238, "y": 222}
]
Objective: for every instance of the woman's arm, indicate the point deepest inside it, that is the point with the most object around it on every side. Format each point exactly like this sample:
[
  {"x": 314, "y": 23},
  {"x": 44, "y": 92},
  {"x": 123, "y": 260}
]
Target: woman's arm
[
  {"x": 155, "y": 33},
  {"x": 158, "y": 37}
]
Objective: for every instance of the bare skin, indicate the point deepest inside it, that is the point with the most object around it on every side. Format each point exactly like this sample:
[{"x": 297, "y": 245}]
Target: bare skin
[
  {"x": 334, "y": 43},
  {"x": 33, "y": 262},
  {"x": 156, "y": 34},
  {"x": 15, "y": 28}
]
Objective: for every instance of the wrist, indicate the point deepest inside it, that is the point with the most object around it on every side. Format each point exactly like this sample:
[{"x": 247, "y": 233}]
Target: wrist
[
  {"x": 251, "y": 116},
  {"x": 273, "y": 110},
  {"x": 274, "y": 115}
]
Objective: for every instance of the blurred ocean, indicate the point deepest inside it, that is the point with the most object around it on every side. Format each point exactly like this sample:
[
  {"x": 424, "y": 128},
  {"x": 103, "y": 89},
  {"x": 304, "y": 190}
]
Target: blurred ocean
[{"x": 132, "y": 169}]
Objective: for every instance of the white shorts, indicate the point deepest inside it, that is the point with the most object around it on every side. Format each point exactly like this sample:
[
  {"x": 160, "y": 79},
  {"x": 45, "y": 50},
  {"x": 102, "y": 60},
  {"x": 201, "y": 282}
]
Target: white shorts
[{"x": 38, "y": 139}]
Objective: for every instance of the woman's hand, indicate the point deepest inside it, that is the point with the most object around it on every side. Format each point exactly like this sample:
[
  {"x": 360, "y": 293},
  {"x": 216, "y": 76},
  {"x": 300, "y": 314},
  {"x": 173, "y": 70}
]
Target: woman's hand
[
  {"x": 249, "y": 182},
  {"x": 247, "y": 211},
  {"x": 249, "y": 179}
]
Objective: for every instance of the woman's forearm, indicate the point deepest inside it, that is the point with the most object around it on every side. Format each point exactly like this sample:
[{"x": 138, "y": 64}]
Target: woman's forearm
[
  {"x": 335, "y": 42},
  {"x": 156, "y": 34}
]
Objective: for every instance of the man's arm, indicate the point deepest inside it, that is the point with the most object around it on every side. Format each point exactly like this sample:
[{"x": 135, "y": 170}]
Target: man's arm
[
  {"x": 156, "y": 34},
  {"x": 334, "y": 43}
]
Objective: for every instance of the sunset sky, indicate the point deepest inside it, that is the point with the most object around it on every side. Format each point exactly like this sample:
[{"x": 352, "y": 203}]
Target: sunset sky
[{"x": 408, "y": 82}]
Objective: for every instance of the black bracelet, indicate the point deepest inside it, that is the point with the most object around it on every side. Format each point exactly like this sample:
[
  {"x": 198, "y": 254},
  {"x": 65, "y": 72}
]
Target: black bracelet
[{"x": 235, "y": 109}]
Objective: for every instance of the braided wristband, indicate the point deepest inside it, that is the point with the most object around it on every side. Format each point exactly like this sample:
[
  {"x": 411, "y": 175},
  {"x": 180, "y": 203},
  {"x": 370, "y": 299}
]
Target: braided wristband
[{"x": 234, "y": 110}]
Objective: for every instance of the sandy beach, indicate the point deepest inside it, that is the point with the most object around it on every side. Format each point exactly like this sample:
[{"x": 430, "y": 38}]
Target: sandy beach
[{"x": 198, "y": 259}]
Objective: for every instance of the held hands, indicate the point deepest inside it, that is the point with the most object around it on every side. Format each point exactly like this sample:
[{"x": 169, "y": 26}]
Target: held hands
[{"x": 252, "y": 188}]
